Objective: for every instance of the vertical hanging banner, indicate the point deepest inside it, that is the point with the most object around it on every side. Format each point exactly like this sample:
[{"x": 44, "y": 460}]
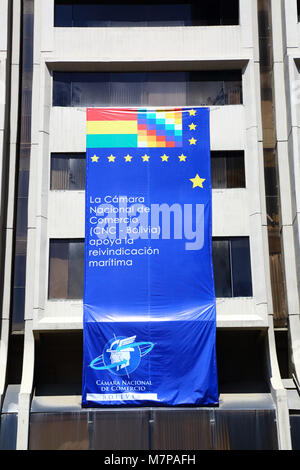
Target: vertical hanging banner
[{"x": 149, "y": 302}]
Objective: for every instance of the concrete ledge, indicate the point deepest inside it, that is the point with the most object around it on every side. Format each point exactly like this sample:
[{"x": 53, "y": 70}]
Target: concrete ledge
[{"x": 231, "y": 312}]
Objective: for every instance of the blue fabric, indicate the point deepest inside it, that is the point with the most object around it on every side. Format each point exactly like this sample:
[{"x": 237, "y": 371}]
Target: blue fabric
[{"x": 149, "y": 301}]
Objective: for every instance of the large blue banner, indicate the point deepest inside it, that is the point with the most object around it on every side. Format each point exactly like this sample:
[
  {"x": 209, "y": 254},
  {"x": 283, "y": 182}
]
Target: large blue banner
[{"x": 149, "y": 301}]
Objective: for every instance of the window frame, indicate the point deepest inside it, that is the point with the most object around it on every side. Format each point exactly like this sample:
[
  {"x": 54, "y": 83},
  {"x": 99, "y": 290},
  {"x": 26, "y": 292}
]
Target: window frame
[
  {"x": 67, "y": 156},
  {"x": 82, "y": 241},
  {"x": 228, "y": 155},
  {"x": 214, "y": 155},
  {"x": 69, "y": 241},
  {"x": 232, "y": 275}
]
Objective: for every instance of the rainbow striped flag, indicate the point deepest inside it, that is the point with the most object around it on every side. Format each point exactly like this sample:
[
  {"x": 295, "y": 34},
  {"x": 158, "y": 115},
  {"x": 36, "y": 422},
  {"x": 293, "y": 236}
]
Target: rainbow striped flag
[{"x": 126, "y": 128}]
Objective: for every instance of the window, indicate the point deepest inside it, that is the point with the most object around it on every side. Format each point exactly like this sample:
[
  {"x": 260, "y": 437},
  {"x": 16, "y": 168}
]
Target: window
[
  {"x": 231, "y": 257},
  {"x": 67, "y": 171},
  {"x": 66, "y": 269},
  {"x": 160, "y": 430},
  {"x": 147, "y": 88},
  {"x": 232, "y": 267},
  {"x": 227, "y": 170},
  {"x": 95, "y": 13}
]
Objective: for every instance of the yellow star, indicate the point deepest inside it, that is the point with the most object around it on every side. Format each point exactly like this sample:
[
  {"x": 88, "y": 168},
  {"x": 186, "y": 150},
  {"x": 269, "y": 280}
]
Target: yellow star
[
  {"x": 192, "y": 112},
  {"x": 146, "y": 158},
  {"x": 192, "y": 141},
  {"x": 182, "y": 158},
  {"x": 197, "y": 181},
  {"x": 192, "y": 127},
  {"x": 128, "y": 158},
  {"x": 111, "y": 158},
  {"x": 95, "y": 159},
  {"x": 164, "y": 158}
]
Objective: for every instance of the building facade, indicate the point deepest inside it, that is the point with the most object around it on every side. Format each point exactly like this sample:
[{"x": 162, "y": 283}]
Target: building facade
[{"x": 240, "y": 58}]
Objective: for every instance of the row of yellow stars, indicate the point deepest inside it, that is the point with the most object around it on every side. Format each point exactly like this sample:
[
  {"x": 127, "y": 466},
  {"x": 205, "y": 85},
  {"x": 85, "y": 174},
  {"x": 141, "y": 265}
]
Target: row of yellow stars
[
  {"x": 145, "y": 158},
  {"x": 197, "y": 181}
]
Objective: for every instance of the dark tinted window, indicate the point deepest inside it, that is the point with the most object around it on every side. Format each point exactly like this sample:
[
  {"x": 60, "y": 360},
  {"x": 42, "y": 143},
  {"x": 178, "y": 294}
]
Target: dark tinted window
[
  {"x": 8, "y": 431},
  {"x": 232, "y": 267},
  {"x": 158, "y": 430},
  {"x": 227, "y": 170},
  {"x": 222, "y": 274},
  {"x": 54, "y": 376},
  {"x": 231, "y": 257},
  {"x": 240, "y": 267},
  {"x": 68, "y": 171},
  {"x": 95, "y": 13},
  {"x": 66, "y": 269},
  {"x": 242, "y": 360},
  {"x": 20, "y": 268},
  {"x": 147, "y": 88}
]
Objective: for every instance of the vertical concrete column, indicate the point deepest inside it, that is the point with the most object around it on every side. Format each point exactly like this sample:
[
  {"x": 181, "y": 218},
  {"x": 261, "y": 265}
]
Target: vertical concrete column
[
  {"x": 8, "y": 223},
  {"x": 26, "y": 388},
  {"x": 286, "y": 155},
  {"x": 278, "y": 311},
  {"x": 27, "y": 237},
  {"x": 278, "y": 393}
]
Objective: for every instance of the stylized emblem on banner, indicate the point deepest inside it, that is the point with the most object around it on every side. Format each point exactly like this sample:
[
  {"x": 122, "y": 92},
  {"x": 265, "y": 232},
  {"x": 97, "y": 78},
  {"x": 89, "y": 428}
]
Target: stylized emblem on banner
[{"x": 121, "y": 356}]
